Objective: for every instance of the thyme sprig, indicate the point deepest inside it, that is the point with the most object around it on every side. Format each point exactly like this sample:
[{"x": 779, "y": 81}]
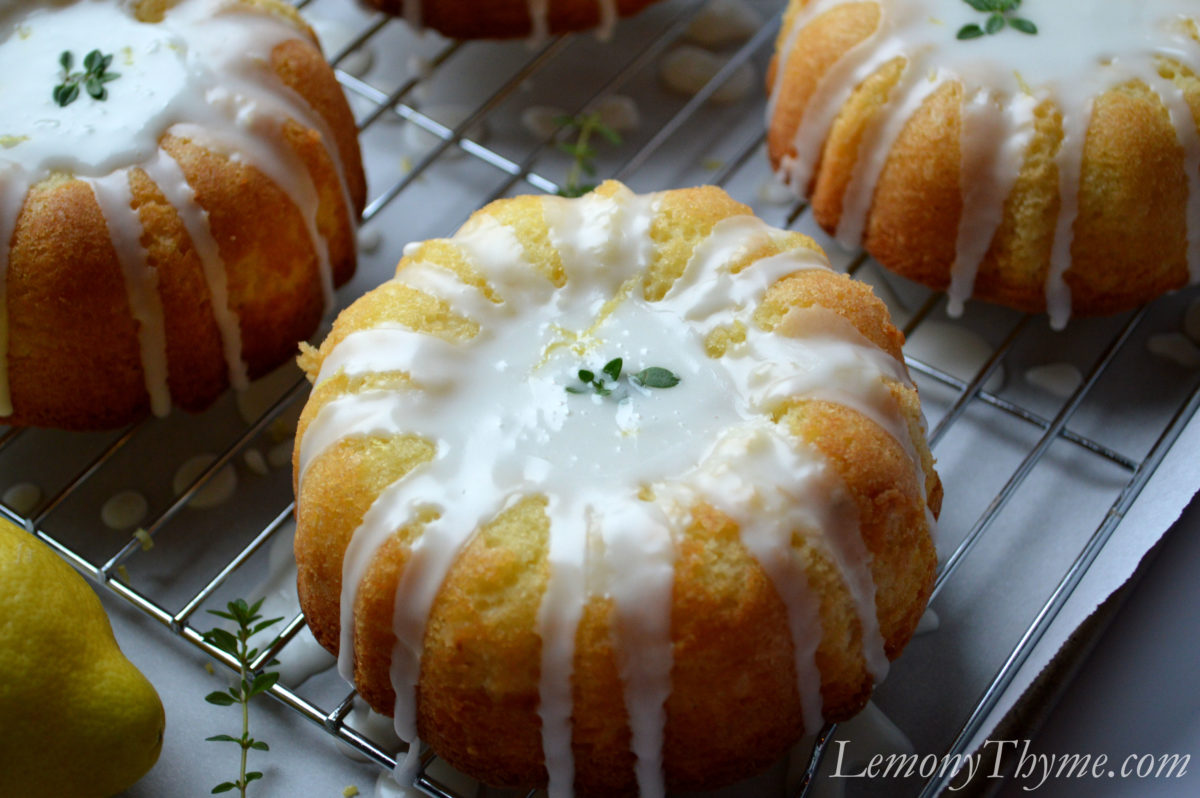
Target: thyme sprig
[
  {"x": 93, "y": 78},
  {"x": 237, "y": 645},
  {"x": 999, "y": 16},
  {"x": 652, "y": 377},
  {"x": 585, "y": 125}
]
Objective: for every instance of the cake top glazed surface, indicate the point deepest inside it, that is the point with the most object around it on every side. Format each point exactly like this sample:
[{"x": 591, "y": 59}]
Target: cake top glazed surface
[
  {"x": 619, "y": 472},
  {"x": 197, "y": 69},
  {"x": 1070, "y": 56}
]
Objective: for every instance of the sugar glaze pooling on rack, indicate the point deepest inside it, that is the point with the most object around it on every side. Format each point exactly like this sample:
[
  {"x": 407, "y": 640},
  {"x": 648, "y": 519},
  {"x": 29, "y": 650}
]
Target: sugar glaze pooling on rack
[
  {"x": 1075, "y": 56},
  {"x": 505, "y": 428},
  {"x": 201, "y": 73}
]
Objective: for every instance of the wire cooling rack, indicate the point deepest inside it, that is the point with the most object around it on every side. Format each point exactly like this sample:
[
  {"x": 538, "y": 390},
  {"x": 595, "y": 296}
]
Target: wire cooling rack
[{"x": 442, "y": 134}]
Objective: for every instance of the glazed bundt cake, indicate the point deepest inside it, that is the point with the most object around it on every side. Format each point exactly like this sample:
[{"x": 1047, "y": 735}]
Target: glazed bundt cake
[
  {"x": 508, "y": 19},
  {"x": 179, "y": 183},
  {"x": 613, "y": 493},
  {"x": 1045, "y": 157}
]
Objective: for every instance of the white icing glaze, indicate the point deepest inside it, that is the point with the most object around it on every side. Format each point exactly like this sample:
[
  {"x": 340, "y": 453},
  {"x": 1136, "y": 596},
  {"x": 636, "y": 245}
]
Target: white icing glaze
[
  {"x": 539, "y": 10},
  {"x": 724, "y": 22},
  {"x": 1073, "y": 58},
  {"x": 619, "y": 481},
  {"x": 202, "y": 73},
  {"x": 608, "y": 19},
  {"x": 124, "y": 509},
  {"x": 1057, "y": 379},
  {"x": 930, "y": 622},
  {"x": 955, "y": 348},
  {"x": 255, "y": 462},
  {"x": 22, "y": 498},
  {"x": 1191, "y": 320},
  {"x": 687, "y": 69},
  {"x": 217, "y": 490},
  {"x": 1175, "y": 347}
]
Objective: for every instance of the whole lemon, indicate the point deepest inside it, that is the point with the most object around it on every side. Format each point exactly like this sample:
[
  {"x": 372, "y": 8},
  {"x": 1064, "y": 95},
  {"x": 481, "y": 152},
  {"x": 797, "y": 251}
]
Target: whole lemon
[{"x": 76, "y": 717}]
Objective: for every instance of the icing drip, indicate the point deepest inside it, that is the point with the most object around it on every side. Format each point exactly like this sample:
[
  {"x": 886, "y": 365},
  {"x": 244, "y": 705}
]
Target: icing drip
[
  {"x": 618, "y": 481},
  {"x": 169, "y": 178},
  {"x": 993, "y": 150},
  {"x": 11, "y": 202},
  {"x": 558, "y": 618},
  {"x": 1058, "y": 293},
  {"x": 1072, "y": 59},
  {"x": 539, "y": 28},
  {"x": 141, "y": 283},
  {"x": 203, "y": 74},
  {"x": 910, "y": 95},
  {"x": 608, "y": 19},
  {"x": 412, "y": 13}
]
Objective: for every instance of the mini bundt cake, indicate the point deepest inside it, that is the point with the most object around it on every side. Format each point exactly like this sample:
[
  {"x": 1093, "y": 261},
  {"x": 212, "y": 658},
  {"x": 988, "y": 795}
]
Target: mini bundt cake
[
  {"x": 614, "y": 493},
  {"x": 508, "y": 19},
  {"x": 1045, "y": 157},
  {"x": 179, "y": 184}
]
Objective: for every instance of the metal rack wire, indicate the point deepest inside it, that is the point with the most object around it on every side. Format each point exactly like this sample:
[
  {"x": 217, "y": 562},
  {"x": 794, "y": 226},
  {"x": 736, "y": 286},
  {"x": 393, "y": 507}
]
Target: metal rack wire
[{"x": 963, "y": 396}]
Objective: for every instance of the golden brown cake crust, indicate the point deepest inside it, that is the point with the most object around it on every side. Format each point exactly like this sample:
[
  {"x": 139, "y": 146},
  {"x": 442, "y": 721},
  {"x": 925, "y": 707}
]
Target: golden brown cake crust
[
  {"x": 1129, "y": 240},
  {"x": 734, "y": 705},
  {"x": 73, "y": 351},
  {"x": 507, "y": 19}
]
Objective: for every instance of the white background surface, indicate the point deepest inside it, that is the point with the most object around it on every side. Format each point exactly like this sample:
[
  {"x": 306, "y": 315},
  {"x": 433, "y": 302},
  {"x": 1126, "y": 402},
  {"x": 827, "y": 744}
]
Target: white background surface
[{"x": 1137, "y": 692}]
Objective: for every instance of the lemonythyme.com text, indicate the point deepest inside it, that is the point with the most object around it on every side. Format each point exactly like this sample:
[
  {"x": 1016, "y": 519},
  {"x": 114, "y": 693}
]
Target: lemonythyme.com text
[{"x": 998, "y": 759}]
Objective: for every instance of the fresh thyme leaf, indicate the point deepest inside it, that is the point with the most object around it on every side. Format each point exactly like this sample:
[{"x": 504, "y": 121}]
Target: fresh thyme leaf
[
  {"x": 582, "y": 152},
  {"x": 613, "y": 369},
  {"x": 96, "y": 89},
  {"x": 93, "y": 78},
  {"x": 223, "y": 640},
  {"x": 998, "y": 19},
  {"x": 1023, "y": 25},
  {"x": 237, "y": 645},
  {"x": 613, "y": 137},
  {"x": 65, "y": 95},
  {"x": 577, "y": 191},
  {"x": 262, "y": 683},
  {"x": 652, "y": 377},
  {"x": 656, "y": 377},
  {"x": 220, "y": 699},
  {"x": 260, "y": 626}
]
